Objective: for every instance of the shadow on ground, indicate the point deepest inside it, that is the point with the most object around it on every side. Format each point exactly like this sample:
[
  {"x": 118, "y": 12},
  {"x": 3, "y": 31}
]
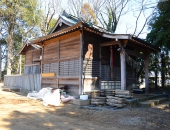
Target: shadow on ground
[{"x": 20, "y": 113}]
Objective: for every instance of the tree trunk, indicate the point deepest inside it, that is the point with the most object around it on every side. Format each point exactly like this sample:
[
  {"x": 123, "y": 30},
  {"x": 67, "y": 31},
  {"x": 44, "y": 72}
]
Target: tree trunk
[
  {"x": 0, "y": 62},
  {"x": 163, "y": 70},
  {"x": 146, "y": 62},
  {"x": 20, "y": 64},
  {"x": 140, "y": 70},
  {"x": 9, "y": 56},
  {"x": 156, "y": 79}
]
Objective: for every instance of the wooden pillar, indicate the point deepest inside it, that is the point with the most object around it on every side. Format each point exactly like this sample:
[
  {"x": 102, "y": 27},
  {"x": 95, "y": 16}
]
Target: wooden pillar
[
  {"x": 58, "y": 63},
  {"x": 81, "y": 64},
  {"x": 42, "y": 57},
  {"x": 100, "y": 68},
  {"x": 146, "y": 75},
  {"x": 123, "y": 68}
]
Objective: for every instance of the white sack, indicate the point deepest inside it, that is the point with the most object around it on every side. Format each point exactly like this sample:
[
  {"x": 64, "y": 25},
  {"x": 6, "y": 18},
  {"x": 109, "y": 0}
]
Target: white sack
[
  {"x": 52, "y": 98},
  {"x": 47, "y": 96},
  {"x": 40, "y": 94}
]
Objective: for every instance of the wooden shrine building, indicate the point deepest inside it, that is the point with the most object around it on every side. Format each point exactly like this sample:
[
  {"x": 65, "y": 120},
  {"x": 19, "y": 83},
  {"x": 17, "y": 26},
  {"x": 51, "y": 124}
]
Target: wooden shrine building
[{"x": 85, "y": 57}]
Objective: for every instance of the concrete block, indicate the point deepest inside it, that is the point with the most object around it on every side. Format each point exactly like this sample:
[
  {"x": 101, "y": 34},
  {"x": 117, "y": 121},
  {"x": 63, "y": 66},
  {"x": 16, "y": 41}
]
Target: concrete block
[
  {"x": 81, "y": 102},
  {"x": 153, "y": 102}
]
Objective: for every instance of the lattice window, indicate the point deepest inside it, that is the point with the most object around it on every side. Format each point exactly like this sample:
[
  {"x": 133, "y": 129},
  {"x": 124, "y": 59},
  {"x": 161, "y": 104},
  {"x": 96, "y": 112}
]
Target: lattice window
[
  {"x": 50, "y": 68},
  {"x": 110, "y": 84},
  {"x": 69, "y": 68}
]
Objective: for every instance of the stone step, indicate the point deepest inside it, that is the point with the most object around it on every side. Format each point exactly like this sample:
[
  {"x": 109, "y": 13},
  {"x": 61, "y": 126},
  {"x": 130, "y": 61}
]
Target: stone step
[
  {"x": 162, "y": 105},
  {"x": 153, "y": 102}
]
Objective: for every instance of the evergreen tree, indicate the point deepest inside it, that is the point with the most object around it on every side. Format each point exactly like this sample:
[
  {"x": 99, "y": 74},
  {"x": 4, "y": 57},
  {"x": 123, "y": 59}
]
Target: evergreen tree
[
  {"x": 159, "y": 35},
  {"x": 159, "y": 25}
]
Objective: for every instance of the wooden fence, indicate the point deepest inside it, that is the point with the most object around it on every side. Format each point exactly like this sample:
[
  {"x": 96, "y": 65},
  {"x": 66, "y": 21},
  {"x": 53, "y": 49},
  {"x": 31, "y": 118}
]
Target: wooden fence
[{"x": 28, "y": 82}]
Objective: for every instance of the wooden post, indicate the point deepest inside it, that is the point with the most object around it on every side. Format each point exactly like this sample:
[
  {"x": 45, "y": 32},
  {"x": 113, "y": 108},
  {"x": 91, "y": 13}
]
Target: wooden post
[
  {"x": 100, "y": 68},
  {"x": 146, "y": 75},
  {"x": 20, "y": 64},
  {"x": 58, "y": 64},
  {"x": 42, "y": 57},
  {"x": 81, "y": 64},
  {"x": 123, "y": 68}
]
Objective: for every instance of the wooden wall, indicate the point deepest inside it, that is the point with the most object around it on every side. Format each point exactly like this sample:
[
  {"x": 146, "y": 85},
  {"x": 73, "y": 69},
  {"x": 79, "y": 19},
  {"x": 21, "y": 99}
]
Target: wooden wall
[
  {"x": 61, "y": 57},
  {"x": 63, "y": 26},
  {"x": 32, "y": 63}
]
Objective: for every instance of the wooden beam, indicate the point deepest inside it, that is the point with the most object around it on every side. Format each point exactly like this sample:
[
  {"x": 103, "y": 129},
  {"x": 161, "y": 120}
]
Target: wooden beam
[
  {"x": 42, "y": 56},
  {"x": 67, "y": 77},
  {"x": 139, "y": 47},
  {"x": 110, "y": 43},
  {"x": 116, "y": 36},
  {"x": 32, "y": 64},
  {"x": 124, "y": 41},
  {"x": 146, "y": 62},
  {"x": 81, "y": 63},
  {"x": 100, "y": 68}
]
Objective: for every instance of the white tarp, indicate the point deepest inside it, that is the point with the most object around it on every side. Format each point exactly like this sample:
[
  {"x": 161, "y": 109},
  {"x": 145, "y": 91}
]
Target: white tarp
[{"x": 49, "y": 97}]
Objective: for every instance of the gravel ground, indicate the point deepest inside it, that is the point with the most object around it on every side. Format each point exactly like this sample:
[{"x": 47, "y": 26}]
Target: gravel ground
[{"x": 17, "y": 112}]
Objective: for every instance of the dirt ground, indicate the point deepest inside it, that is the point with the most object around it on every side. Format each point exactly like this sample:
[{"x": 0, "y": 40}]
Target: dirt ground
[{"x": 17, "y": 112}]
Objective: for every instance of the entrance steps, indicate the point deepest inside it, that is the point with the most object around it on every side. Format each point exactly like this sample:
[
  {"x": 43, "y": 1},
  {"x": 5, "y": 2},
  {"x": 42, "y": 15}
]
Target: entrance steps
[
  {"x": 162, "y": 105},
  {"x": 154, "y": 102},
  {"x": 146, "y": 101}
]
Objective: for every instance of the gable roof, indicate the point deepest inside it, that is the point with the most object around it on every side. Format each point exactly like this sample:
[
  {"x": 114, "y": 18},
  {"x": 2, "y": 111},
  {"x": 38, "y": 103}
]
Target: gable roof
[
  {"x": 26, "y": 46},
  {"x": 75, "y": 23},
  {"x": 66, "y": 19}
]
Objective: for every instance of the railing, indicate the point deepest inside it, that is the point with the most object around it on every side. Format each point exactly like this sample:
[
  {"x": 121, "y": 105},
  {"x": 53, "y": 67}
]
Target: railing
[{"x": 28, "y": 82}]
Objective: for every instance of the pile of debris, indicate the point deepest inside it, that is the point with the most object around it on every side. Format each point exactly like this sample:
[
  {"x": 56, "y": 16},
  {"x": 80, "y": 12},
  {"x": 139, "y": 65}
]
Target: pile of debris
[
  {"x": 115, "y": 98},
  {"x": 116, "y": 101},
  {"x": 107, "y": 92},
  {"x": 98, "y": 101},
  {"x": 123, "y": 93}
]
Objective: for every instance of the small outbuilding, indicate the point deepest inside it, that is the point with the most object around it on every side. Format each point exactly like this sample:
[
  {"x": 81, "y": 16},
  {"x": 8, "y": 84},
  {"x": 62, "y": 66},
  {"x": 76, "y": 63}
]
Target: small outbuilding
[{"x": 86, "y": 57}]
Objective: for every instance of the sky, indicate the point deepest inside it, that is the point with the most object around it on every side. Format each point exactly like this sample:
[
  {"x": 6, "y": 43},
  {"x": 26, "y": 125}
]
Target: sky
[{"x": 128, "y": 21}]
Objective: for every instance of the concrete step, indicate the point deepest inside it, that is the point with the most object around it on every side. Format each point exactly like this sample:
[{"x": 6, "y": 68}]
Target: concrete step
[
  {"x": 153, "y": 102},
  {"x": 162, "y": 105}
]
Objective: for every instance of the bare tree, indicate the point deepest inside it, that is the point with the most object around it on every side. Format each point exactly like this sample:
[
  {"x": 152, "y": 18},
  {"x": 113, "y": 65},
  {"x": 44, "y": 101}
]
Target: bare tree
[
  {"x": 111, "y": 16},
  {"x": 50, "y": 11},
  {"x": 139, "y": 12},
  {"x": 97, "y": 6},
  {"x": 75, "y": 6}
]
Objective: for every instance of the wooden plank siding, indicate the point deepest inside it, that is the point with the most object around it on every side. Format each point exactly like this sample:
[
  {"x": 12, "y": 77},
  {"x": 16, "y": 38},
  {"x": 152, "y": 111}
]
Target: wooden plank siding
[
  {"x": 61, "y": 57},
  {"x": 32, "y": 61}
]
